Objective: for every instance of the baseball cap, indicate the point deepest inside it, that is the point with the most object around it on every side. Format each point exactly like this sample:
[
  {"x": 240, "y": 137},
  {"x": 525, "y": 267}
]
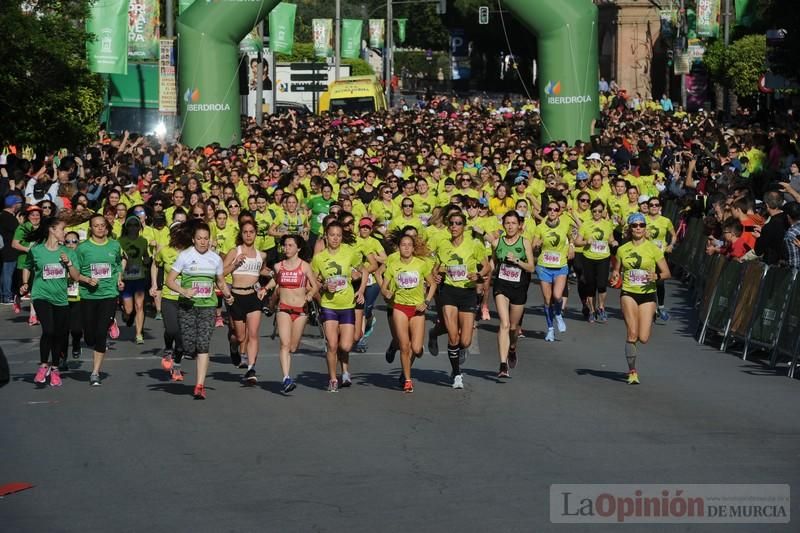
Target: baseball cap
[
  {"x": 32, "y": 208},
  {"x": 365, "y": 222},
  {"x": 582, "y": 175},
  {"x": 12, "y": 199},
  {"x": 643, "y": 199},
  {"x": 594, "y": 157},
  {"x": 358, "y": 152},
  {"x": 636, "y": 218},
  {"x": 520, "y": 179}
]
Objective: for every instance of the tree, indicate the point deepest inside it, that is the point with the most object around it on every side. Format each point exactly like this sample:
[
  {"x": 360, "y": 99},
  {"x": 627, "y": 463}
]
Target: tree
[
  {"x": 738, "y": 66},
  {"x": 48, "y": 96}
]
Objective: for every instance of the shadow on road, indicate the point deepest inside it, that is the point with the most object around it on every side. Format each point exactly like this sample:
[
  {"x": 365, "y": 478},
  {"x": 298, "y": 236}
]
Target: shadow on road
[{"x": 605, "y": 374}]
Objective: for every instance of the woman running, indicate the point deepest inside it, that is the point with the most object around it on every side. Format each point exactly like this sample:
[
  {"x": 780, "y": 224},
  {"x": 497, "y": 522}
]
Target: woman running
[
  {"x": 162, "y": 263},
  {"x": 640, "y": 264},
  {"x": 296, "y": 286},
  {"x": 513, "y": 256},
  {"x": 336, "y": 265},
  {"x": 71, "y": 241},
  {"x": 463, "y": 264},
  {"x": 245, "y": 264},
  {"x": 597, "y": 238},
  {"x": 404, "y": 286},
  {"x": 50, "y": 263},
  {"x": 135, "y": 248},
  {"x": 33, "y": 218},
  {"x": 368, "y": 244},
  {"x": 552, "y": 237},
  {"x": 199, "y": 269},
  {"x": 101, "y": 267}
]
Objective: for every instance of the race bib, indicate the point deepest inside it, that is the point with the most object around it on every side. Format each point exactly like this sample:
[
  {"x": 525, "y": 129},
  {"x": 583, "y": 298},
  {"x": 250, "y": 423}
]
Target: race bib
[
  {"x": 509, "y": 273},
  {"x": 551, "y": 258},
  {"x": 659, "y": 243},
  {"x": 202, "y": 289},
  {"x": 638, "y": 278},
  {"x": 371, "y": 280},
  {"x": 424, "y": 218},
  {"x": 100, "y": 270},
  {"x": 407, "y": 280},
  {"x": 54, "y": 271},
  {"x": 336, "y": 283},
  {"x": 457, "y": 272},
  {"x": 73, "y": 289},
  {"x": 599, "y": 247}
]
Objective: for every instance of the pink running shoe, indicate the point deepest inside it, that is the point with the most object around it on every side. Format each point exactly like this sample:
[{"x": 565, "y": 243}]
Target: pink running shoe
[
  {"x": 33, "y": 321},
  {"x": 16, "y": 307},
  {"x": 218, "y": 322},
  {"x": 55, "y": 378},
  {"x": 41, "y": 374},
  {"x": 485, "y": 313},
  {"x": 113, "y": 329}
]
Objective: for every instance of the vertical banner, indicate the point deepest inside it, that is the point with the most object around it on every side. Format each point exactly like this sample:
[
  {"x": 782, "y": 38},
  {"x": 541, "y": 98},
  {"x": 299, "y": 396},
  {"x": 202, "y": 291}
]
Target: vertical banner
[
  {"x": 401, "y": 30},
  {"x": 281, "y": 28},
  {"x": 143, "y": 30},
  {"x": 108, "y": 22},
  {"x": 667, "y": 16},
  {"x": 351, "y": 38},
  {"x": 323, "y": 37},
  {"x": 167, "y": 90},
  {"x": 376, "y": 32},
  {"x": 183, "y": 5},
  {"x": 744, "y": 12},
  {"x": 707, "y": 13}
]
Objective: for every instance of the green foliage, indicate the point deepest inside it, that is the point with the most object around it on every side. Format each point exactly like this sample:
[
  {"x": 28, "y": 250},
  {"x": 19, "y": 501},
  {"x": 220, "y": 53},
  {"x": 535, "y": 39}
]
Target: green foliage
[
  {"x": 48, "y": 95},
  {"x": 714, "y": 60},
  {"x": 304, "y": 52},
  {"x": 738, "y": 66}
]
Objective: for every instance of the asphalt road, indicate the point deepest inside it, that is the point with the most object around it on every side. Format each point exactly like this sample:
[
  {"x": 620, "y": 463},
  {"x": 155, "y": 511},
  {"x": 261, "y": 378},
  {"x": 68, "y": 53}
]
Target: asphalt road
[{"x": 139, "y": 453}]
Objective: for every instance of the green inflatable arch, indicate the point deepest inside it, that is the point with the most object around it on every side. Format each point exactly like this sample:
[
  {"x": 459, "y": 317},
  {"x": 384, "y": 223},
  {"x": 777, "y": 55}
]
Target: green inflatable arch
[{"x": 209, "y": 33}]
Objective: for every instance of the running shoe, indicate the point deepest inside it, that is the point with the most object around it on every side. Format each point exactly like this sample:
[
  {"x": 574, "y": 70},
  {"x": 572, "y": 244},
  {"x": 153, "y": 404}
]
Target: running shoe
[
  {"x": 333, "y": 386},
  {"x": 562, "y": 326},
  {"x": 512, "y": 358},
  {"x": 458, "y": 381},
  {"x": 663, "y": 315},
  {"x": 236, "y": 357},
  {"x": 32, "y": 321},
  {"x": 130, "y": 319},
  {"x": 346, "y": 379},
  {"x": 159, "y": 317},
  {"x": 199, "y": 392},
  {"x": 602, "y": 316},
  {"x": 390, "y": 353},
  {"x": 586, "y": 312},
  {"x": 551, "y": 335},
  {"x": 55, "y": 377},
  {"x": 433, "y": 342},
  {"x": 16, "y": 307},
  {"x": 176, "y": 374},
  {"x": 485, "y": 313},
  {"x": 250, "y": 377},
  {"x": 463, "y": 353},
  {"x": 245, "y": 362},
  {"x": 633, "y": 377},
  {"x": 113, "y": 329},
  {"x": 139, "y": 339},
  {"x": 94, "y": 380},
  {"x": 408, "y": 386},
  {"x": 591, "y": 318},
  {"x": 76, "y": 353},
  {"x": 41, "y": 374},
  {"x": 167, "y": 361},
  {"x": 218, "y": 322},
  {"x": 370, "y": 327},
  {"x": 361, "y": 345},
  {"x": 503, "y": 373},
  {"x": 62, "y": 364},
  {"x": 288, "y": 385}
]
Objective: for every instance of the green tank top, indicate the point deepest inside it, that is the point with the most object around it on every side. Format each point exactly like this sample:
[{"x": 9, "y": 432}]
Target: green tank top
[
  {"x": 503, "y": 249},
  {"x": 507, "y": 271}
]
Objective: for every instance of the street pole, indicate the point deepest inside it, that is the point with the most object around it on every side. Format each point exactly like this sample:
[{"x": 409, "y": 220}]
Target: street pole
[
  {"x": 170, "y": 14},
  {"x": 389, "y": 45},
  {"x": 260, "y": 78},
  {"x": 337, "y": 30},
  {"x": 684, "y": 33},
  {"x": 726, "y": 105}
]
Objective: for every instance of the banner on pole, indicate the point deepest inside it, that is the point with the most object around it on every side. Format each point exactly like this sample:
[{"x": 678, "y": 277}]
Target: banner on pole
[
  {"x": 143, "y": 30},
  {"x": 281, "y": 28},
  {"x": 401, "y": 30},
  {"x": 351, "y": 38},
  {"x": 167, "y": 90},
  {"x": 707, "y": 18},
  {"x": 108, "y": 22},
  {"x": 323, "y": 37},
  {"x": 376, "y": 33}
]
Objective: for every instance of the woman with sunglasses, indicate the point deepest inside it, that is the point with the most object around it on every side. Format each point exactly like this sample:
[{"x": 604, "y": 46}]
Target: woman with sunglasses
[
  {"x": 462, "y": 263},
  {"x": 661, "y": 231},
  {"x": 405, "y": 217},
  {"x": 199, "y": 270},
  {"x": 595, "y": 239},
  {"x": 408, "y": 286},
  {"x": 51, "y": 264},
  {"x": 553, "y": 238},
  {"x": 135, "y": 249},
  {"x": 382, "y": 209},
  {"x": 336, "y": 266},
  {"x": 33, "y": 218},
  {"x": 369, "y": 246},
  {"x": 101, "y": 267},
  {"x": 289, "y": 220},
  {"x": 369, "y": 263},
  {"x": 71, "y": 241},
  {"x": 514, "y": 263},
  {"x": 49, "y": 209},
  {"x": 640, "y": 264}
]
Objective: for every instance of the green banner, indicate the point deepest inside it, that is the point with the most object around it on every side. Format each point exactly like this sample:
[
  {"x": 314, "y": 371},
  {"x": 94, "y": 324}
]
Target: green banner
[
  {"x": 376, "y": 33},
  {"x": 707, "y": 13},
  {"x": 323, "y": 37},
  {"x": 108, "y": 22},
  {"x": 281, "y": 28},
  {"x": 143, "y": 30},
  {"x": 183, "y": 5},
  {"x": 401, "y": 30},
  {"x": 745, "y": 12},
  {"x": 351, "y": 38}
]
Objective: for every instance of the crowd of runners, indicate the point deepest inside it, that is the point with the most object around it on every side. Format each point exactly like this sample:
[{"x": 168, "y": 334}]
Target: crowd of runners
[{"x": 437, "y": 212}]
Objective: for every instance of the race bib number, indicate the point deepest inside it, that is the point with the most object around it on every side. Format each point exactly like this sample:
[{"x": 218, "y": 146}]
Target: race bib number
[
  {"x": 100, "y": 270},
  {"x": 424, "y": 218},
  {"x": 133, "y": 271},
  {"x": 407, "y": 280},
  {"x": 659, "y": 243},
  {"x": 336, "y": 283},
  {"x": 509, "y": 273},
  {"x": 54, "y": 271},
  {"x": 371, "y": 280},
  {"x": 457, "y": 272},
  {"x": 202, "y": 289},
  {"x": 599, "y": 247},
  {"x": 72, "y": 289},
  {"x": 551, "y": 258},
  {"x": 638, "y": 278}
]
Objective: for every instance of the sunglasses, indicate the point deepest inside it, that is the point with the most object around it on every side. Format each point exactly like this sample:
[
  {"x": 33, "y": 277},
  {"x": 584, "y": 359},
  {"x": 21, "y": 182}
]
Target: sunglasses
[
  {"x": 71, "y": 241},
  {"x": 456, "y": 223},
  {"x": 231, "y": 206},
  {"x": 553, "y": 209},
  {"x": 408, "y": 205},
  {"x": 583, "y": 200},
  {"x": 638, "y": 225},
  {"x": 597, "y": 210},
  {"x": 158, "y": 203},
  {"x": 654, "y": 205},
  {"x": 367, "y": 226},
  {"x": 198, "y": 215},
  {"x": 386, "y": 192}
]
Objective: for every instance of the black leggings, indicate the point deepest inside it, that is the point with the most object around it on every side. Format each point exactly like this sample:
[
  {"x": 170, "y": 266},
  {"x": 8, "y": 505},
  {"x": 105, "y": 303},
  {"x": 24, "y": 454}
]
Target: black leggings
[
  {"x": 172, "y": 330},
  {"x": 75, "y": 329},
  {"x": 97, "y": 316},
  {"x": 595, "y": 275},
  {"x": 55, "y": 325}
]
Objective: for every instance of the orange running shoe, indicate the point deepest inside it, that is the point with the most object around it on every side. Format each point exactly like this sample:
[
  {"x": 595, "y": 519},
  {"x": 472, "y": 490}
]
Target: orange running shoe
[
  {"x": 408, "y": 386},
  {"x": 199, "y": 392}
]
